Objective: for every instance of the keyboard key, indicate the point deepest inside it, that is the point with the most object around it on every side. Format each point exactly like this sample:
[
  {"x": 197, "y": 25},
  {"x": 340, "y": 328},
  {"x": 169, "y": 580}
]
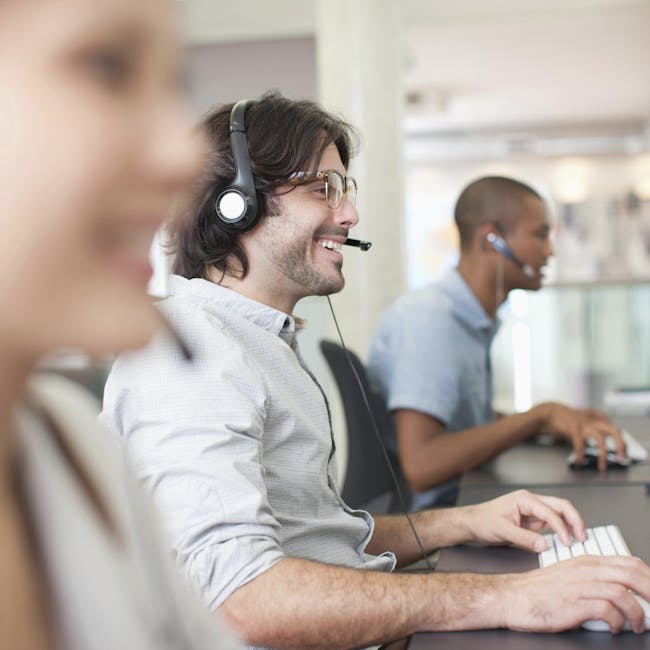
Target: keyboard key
[
  {"x": 577, "y": 548},
  {"x": 617, "y": 540},
  {"x": 591, "y": 547},
  {"x": 605, "y": 544},
  {"x": 548, "y": 557},
  {"x": 563, "y": 552}
]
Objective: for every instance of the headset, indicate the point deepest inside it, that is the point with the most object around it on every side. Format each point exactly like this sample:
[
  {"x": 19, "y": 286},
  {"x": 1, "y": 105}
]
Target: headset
[
  {"x": 237, "y": 206},
  {"x": 499, "y": 244}
]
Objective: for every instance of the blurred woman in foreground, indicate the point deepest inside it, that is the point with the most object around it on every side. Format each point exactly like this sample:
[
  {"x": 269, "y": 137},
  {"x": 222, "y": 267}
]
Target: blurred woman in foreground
[{"x": 94, "y": 147}]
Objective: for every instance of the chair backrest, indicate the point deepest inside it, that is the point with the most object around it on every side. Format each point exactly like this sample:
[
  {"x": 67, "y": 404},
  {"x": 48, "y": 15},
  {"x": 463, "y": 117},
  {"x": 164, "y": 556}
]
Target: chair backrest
[{"x": 368, "y": 483}]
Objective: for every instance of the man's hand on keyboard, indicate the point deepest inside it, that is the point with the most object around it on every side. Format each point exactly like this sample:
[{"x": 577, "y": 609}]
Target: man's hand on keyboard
[
  {"x": 519, "y": 517},
  {"x": 581, "y": 427},
  {"x": 587, "y": 588}
]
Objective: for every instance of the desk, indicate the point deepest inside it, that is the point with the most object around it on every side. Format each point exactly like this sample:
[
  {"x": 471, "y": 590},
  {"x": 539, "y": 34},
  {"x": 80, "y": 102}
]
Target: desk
[
  {"x": 599, "y": 504},
  {"x": 530, "y": 464}
]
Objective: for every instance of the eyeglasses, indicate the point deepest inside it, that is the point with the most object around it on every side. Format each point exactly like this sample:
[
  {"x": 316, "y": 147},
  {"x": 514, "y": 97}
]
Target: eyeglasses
[{"x": 336, "y": 186}]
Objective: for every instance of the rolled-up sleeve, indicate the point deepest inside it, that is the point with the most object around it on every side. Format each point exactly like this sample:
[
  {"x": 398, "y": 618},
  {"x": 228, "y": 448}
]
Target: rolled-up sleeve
[
  {"x": 415, "y": 358},
  {"x": 193, "y": 432}
]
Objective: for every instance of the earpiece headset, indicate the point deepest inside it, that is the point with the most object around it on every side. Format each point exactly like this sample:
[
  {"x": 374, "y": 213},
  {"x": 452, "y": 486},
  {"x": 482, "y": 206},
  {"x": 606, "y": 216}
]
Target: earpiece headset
[
  {"x": 236, "y": 206},
  {"x": 499, "y": 244}
]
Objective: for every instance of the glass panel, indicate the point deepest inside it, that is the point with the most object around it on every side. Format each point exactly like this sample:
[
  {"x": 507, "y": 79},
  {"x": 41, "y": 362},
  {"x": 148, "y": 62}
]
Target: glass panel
[{"x": 582, "y": 341}]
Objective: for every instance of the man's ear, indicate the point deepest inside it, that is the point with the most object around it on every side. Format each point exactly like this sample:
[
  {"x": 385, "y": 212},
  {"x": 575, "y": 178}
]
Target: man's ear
[{"x": 483, "y": 233}]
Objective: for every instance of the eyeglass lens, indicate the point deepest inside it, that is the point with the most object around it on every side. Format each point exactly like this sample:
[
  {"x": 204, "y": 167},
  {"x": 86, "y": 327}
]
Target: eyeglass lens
[{"x": 335, "y": 183}]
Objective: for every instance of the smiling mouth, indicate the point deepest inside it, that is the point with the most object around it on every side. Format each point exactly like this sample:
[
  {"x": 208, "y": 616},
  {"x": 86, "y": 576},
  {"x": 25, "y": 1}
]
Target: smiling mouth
[{"x": 330, "y": 245}]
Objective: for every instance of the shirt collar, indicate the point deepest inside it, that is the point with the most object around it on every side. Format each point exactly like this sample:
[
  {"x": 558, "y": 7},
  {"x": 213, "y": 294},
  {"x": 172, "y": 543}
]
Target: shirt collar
[
  {"x": 466, "y": 304},
  {"x": 262, "y": 315}
]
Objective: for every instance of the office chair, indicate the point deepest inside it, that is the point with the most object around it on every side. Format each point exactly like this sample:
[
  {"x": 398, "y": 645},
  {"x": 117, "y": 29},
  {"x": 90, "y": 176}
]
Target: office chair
[{"x": 368, "y": 483}]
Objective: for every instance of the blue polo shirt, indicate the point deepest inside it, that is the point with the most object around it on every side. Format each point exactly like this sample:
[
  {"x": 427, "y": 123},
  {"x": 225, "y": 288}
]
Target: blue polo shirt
[{"x": 431, "y": 353}]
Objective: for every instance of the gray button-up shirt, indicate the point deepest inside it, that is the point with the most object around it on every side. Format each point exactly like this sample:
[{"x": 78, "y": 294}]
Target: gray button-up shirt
[
  {"x": 236, "y": 446},
  {"x": 431, "y": 353}
]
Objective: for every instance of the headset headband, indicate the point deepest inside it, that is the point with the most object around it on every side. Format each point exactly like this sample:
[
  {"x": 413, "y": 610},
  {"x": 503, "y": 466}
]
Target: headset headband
[{"x": 236, "y": 206}]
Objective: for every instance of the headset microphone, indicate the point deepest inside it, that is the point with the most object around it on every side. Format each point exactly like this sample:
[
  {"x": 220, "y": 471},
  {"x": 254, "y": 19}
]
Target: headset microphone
[
  {"x": 500, "y": 246},
  {"x": 363, "y": 245}
]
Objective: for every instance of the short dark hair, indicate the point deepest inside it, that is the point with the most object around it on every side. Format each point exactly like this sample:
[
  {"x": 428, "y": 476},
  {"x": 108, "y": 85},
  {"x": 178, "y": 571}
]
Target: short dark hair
[
  {"x": 284, "y": 136},
  {"x": 490, "y": 199}
]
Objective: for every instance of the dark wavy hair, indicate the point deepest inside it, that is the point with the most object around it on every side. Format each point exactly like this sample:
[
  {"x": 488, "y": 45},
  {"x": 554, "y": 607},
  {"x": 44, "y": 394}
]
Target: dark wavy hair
[{"x": 284, "y": 136}]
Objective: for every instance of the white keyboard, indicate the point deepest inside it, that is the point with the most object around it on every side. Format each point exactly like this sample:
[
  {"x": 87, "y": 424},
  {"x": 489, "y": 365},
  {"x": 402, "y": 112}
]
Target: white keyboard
[
  {"x": 601, "y": 540},
  {"x": 636, "y": 452}
]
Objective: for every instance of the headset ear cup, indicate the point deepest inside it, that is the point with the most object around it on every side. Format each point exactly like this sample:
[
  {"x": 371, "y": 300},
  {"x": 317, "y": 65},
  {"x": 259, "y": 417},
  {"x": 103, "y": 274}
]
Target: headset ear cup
[
  {"x": 231, "y": 206},
  {"x": 237, "y": 209},
  {"x": 236, "y": 206}
]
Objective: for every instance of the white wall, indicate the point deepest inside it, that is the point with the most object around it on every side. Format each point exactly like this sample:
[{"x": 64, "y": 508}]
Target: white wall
[{"x": 225, "y": 72}]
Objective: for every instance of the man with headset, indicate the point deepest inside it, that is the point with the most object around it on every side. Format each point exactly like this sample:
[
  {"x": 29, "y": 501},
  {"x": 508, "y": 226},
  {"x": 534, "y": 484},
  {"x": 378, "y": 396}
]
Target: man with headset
[
  {"x": 431, "y": 350},
  {"x": 237, "y": 446}
]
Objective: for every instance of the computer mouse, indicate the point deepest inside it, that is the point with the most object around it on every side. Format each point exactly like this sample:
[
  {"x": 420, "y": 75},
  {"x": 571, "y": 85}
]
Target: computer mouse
[
  {"x": 590, "y": 460},
  {"x": 601, "y": 626}
]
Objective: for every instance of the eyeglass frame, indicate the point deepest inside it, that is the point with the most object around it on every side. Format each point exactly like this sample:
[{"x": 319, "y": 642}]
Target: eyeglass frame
[{"x": 303, "y": 178}]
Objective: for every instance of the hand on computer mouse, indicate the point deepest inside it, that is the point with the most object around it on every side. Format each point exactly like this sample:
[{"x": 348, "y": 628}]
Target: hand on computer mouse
[{"x": 590, "y": 460}]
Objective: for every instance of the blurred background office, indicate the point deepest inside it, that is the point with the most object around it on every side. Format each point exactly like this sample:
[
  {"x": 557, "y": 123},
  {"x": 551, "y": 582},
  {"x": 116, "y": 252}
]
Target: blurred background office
[{"x": 554, "y": 92}]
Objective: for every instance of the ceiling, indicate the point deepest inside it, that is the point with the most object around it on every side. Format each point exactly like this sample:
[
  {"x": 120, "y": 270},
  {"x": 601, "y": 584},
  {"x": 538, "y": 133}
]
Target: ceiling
[
  {"x": 556, "y": 66},
  {"x": 517, "y": 65}
]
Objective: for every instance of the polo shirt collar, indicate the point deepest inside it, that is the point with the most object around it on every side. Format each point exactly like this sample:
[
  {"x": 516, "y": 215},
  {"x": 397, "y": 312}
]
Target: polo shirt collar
[
  {"x": 466, "y": 304},
  {"x": 262, "y": 315}
]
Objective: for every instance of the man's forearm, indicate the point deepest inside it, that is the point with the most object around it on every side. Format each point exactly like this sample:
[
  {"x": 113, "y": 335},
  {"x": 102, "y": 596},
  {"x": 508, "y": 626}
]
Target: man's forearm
[
  {"x": 435, "y": 529},
  {"x": 438, "y": 457},
  {"x": 303, "y": 604}
]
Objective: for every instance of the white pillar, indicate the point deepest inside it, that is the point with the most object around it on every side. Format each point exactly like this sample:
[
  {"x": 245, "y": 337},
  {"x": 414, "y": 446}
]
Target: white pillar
[
  {"x": 359, "y": 65},
  {"x": 360, "y": 61}
]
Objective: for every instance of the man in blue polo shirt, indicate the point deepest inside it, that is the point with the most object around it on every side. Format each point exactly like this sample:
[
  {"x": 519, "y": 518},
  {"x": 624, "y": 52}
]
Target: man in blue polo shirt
[{"x": 431, "y": 350}]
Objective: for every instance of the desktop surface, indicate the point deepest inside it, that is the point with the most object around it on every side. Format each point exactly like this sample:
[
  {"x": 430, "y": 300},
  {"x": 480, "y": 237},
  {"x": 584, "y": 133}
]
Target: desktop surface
[
  {"x": 627, "y": 506},
  {"x": 507, "y": 640},
  {"x": 534, "y": 464}
]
